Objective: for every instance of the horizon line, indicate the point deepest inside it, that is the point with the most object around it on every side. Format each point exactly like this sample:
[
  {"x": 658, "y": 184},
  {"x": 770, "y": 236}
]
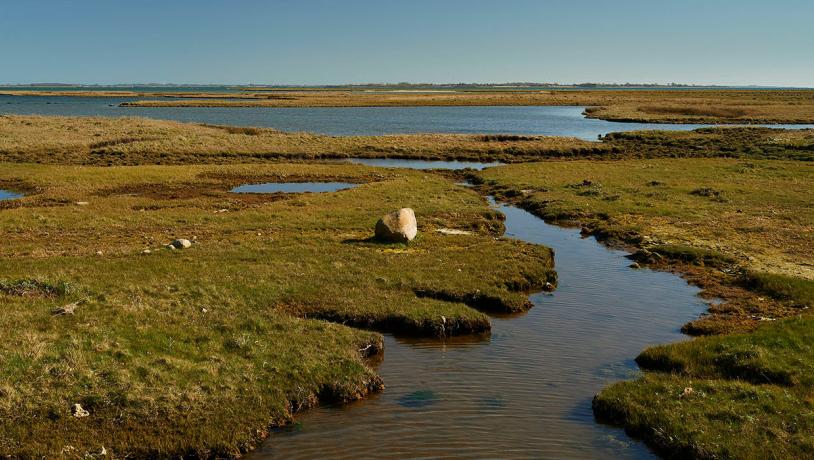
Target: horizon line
[{"x": 388, "y": 84}]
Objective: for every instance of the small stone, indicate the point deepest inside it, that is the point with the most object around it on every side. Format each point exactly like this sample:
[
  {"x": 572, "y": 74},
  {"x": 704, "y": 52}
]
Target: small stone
[
  {"x": 82, "y": 203},
  {"x": 79, "y": 412},
  {"x": 181, "y": 244},
  {"x": 451, "y": 231},
  {"x": 66, "y": 309},
  {"x": 548, "y": 287},
  {"x": 146, "y": 251},
  {"x": 99, "y": 253},
  {"x": 635, "y": 265}
]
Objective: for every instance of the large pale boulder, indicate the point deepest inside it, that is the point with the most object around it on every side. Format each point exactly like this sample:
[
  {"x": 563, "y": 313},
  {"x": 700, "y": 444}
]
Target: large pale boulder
[{"x": 399, "y": 226}]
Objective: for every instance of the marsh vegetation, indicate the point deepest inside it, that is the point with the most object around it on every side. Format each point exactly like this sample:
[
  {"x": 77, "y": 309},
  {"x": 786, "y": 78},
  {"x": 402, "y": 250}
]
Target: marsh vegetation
[{"x": 281, "y": 296}]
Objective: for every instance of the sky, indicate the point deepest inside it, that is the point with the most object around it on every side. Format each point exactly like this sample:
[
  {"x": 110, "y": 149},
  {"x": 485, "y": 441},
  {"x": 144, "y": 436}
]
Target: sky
[{"x": 313, "y": 42}]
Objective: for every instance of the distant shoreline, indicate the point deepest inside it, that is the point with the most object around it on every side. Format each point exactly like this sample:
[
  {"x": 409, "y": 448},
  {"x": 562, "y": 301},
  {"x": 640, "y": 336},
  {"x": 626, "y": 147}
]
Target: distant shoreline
[{"x": 138, "y": 87}]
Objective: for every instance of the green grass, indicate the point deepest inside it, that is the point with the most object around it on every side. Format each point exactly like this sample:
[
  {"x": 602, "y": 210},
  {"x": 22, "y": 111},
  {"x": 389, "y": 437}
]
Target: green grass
[
  {"x": 799, "y": 291},
  {"x": 693, "y": 255},
  {"x": 746, "y": 143},
  {"x": 752, "y": 395},
  {"x": 781, "y": 353},
  {"x": 199, "y": 351},
  {"x": 719, "y": 419}
]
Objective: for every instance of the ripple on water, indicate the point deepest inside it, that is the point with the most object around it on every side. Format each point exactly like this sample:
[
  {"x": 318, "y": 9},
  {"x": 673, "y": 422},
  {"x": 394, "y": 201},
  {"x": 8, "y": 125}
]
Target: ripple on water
[{"x": 523, "y": 392}]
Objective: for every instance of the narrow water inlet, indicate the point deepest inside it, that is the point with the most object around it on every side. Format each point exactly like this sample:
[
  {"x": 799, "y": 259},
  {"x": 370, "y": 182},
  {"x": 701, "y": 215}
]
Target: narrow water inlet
[
  {"x": 6, "y": 195},
  {"x": 526, "y": 390}
]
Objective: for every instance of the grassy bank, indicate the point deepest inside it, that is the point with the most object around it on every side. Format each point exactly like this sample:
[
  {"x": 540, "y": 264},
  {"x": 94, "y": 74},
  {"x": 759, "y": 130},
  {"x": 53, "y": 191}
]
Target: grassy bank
[
  {"x": 198, "y": 351},
  {"x": 742, "y": 230},
  {"x": 733, "y": 396}
]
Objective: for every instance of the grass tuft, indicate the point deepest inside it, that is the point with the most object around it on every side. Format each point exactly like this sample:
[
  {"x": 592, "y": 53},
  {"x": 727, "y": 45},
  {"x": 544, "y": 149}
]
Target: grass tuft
[{"x": 782, "y": 287}]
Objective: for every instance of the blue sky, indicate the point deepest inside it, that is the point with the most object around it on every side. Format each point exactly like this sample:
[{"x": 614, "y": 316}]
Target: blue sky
[{"x": 322, "y": 42}]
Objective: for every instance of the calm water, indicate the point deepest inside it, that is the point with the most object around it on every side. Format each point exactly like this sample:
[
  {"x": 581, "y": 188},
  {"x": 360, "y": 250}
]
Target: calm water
[
  {"x": 342, "y": 121},
  {"x": 6, "y": 195},
  {"x": 524, "y": 392},
  {"x": 422, "y": 164},
  {"x": 293, "y": 187}
]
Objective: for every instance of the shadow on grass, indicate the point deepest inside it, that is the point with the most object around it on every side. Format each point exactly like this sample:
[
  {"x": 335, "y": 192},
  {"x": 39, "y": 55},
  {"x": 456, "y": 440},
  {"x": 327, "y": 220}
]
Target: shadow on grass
[{"x": 373, "y": 241}]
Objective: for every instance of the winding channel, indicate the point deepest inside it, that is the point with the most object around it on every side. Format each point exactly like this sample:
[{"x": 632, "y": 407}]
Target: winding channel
[{"x": 523, "y": 392}]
